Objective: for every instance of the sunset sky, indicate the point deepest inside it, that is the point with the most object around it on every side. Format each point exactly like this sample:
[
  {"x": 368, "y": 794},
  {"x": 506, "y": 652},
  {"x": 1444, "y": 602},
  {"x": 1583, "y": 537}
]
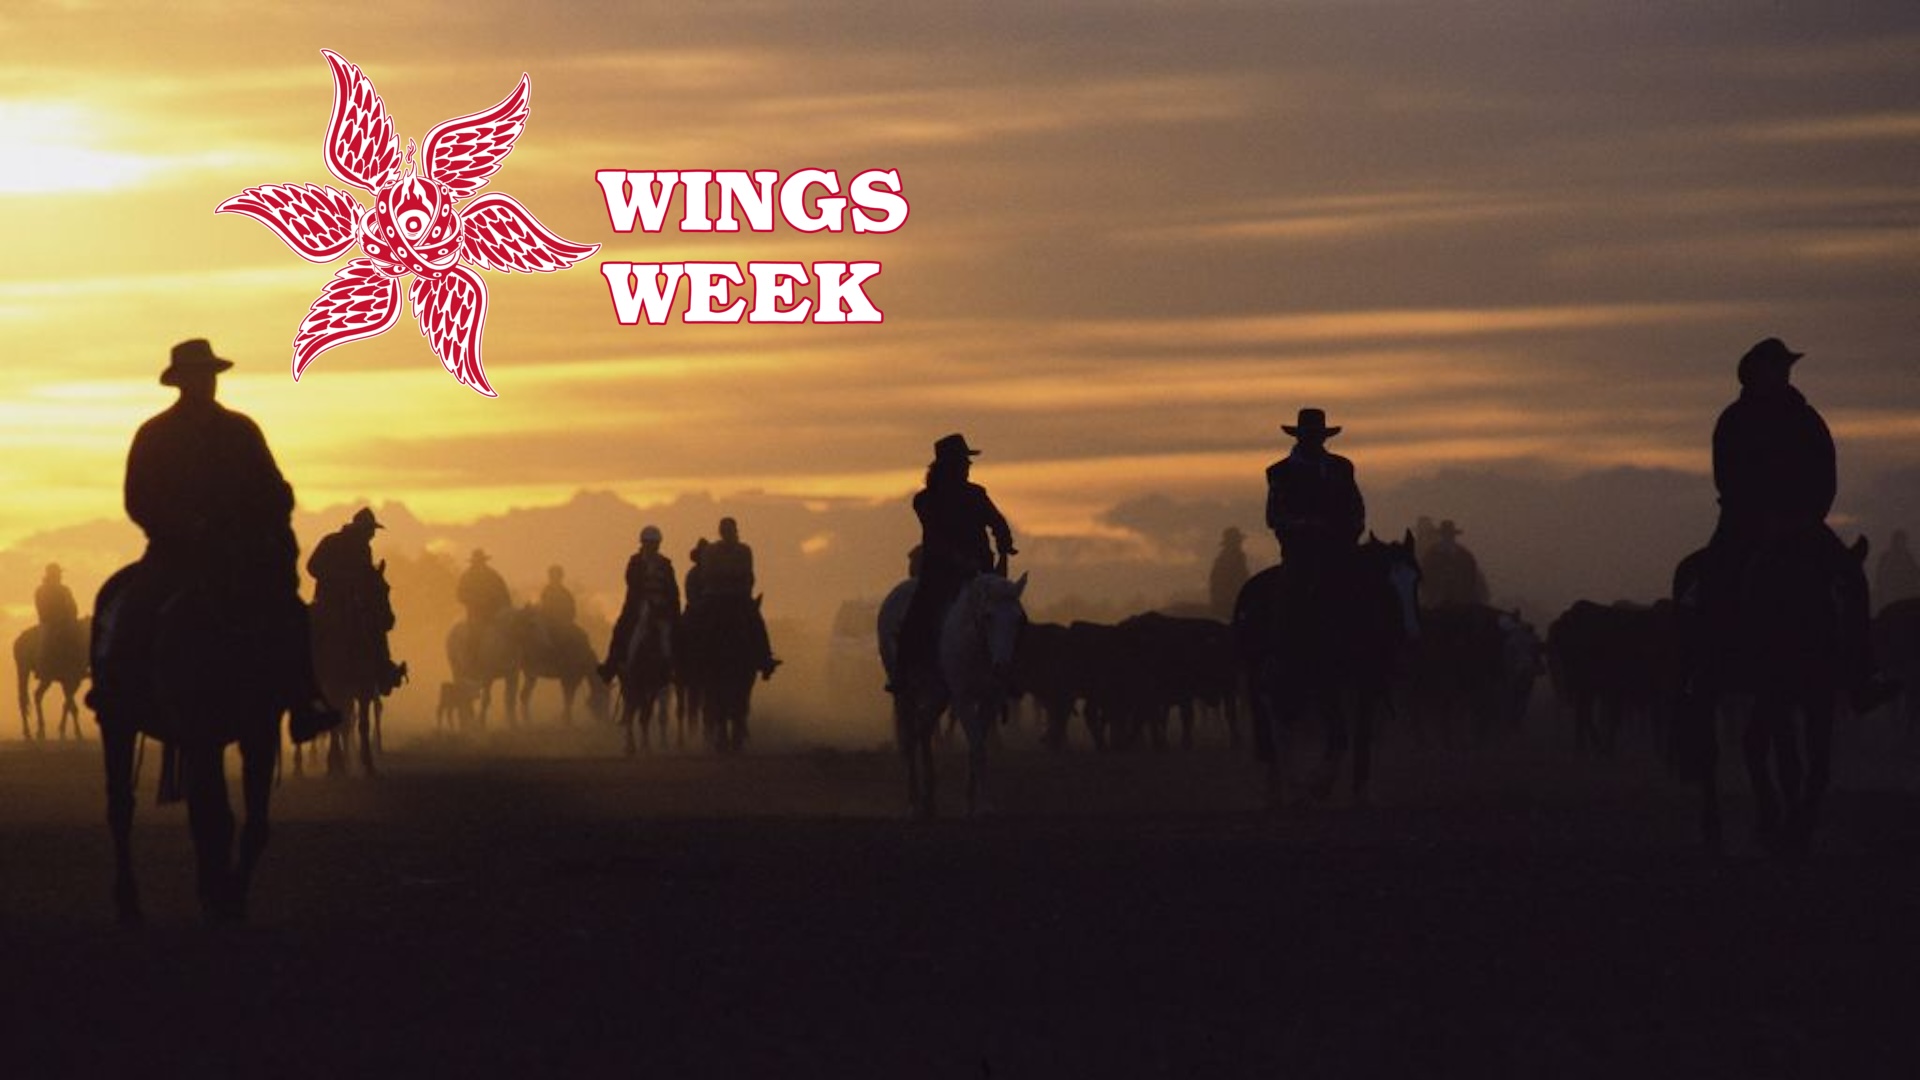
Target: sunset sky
[{"x": 1522, "y": 236}]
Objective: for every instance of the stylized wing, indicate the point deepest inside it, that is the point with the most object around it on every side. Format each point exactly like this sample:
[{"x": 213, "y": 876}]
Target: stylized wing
[
  {"x": 358, "y": 303},
  {"x": 318, "y": 223},
  {"x": 453, "y": 313},
  {"x": 361, "y": 148},
  {"x": 500, "y": 234},
  {"x": 462, "y": 153}
]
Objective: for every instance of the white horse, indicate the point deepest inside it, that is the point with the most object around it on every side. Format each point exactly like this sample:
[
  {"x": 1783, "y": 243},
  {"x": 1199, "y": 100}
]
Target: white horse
[{"x": 978, "y": 636}]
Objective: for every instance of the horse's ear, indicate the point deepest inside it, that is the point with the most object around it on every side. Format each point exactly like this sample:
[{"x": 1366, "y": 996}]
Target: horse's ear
[
  {"x": 1407, "y": 539},
  {"x": 1021, "y": 585},
  {"x": 1372, "y": 539},
  {"x": 757, "y": 599}
]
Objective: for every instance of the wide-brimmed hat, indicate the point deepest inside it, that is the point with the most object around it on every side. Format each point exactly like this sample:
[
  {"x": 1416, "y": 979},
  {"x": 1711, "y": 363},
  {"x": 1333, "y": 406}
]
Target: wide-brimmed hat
[
  {"x": 1449, "y": 530},
  {"x": 194, "y": 355},
  {"x": 364, "y": 518},
  {"x": 1311, "y": 422},
  {"x": 478, "y": 556},
  {"x": 1771, "y": 354},
  {"x": 953, "y": 448},
  {"x": 1232, "y": 534}
]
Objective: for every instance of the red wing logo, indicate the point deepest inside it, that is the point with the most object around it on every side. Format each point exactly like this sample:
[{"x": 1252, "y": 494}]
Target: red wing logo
[{"x": 413, "y": 228}]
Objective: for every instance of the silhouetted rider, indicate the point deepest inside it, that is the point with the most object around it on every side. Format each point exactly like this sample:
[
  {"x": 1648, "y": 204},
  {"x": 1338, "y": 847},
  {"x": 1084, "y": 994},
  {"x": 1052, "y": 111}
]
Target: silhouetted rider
[
  {"x": 957, "y": 518},
  {"x": 1229, "y": 573},
  {"x": 1774, "y": 468},
  {"x": 59, "y": 616},
  {"x": 482, "y": 591},
  {"x": 205, "y": 489},
  {"x": 557, "y": 609},
  {"x": 652, "y": 588},
  {"x": 1449, "y": 574},
  {"x": 351, "y": 600},
  {"x": 726, "y": 577},
  {"x": 53, "y": 602},
  {"x": 1313, "y": 502}
]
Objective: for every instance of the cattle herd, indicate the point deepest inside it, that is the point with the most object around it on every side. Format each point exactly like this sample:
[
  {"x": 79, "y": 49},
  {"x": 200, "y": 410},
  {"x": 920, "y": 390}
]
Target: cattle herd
[{"x": 1469, "y": 680}]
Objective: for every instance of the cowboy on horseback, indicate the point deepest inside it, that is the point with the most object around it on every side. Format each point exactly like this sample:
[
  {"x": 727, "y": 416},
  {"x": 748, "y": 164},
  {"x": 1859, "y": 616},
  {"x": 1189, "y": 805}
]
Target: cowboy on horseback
[
  {"x": 1774, "y": 469},
  {"x": 482, "y": 591},
  {"x": 956, "y": 519},
  {"x": 204, "y": 487},
  {"x": 726, "y": 576},
  {"x": 557, "y": 608},
  {"x": 59, "y": 616},
  {"x": 1313, "y": 502},
  {"x": 351, "y": 599},
  {"x": 652, "y": 589},
  {"x": 1450, "y": 575}
]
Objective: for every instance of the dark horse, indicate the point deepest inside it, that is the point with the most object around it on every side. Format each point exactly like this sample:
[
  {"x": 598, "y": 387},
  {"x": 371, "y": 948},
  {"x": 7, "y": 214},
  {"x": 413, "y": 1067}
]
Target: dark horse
[
  {"x": 355, "y": 669},
  {"x": 198, "y": 678},
  {"x": 480, "y": 656},
  {"x": 644, "y": 671},
  {"x": 720, "y": 660},
  {"x": 560, "y": 653},
  {"x": 1331, "y": 645},
  {"x": 56, "y": 658},
  {"x": 1775, "y": 636}
]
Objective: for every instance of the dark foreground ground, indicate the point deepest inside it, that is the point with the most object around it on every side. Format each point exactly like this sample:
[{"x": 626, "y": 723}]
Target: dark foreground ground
[{"x": 1511, "y": 913}]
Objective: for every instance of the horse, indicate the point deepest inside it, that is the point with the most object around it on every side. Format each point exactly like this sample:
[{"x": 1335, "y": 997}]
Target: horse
[
  {"x": 560, "y": 653},
  {"x": 355, "y": 670},
  {"x": 1460, "y": 673},
  {"x": 719, "y": 658},
  {"x": 891, "y": 615},
  {"x": 197, "y": 678},
  {"x": 1332, "y": 644},
  {"x": 644, "y": 670},
  {"x": 62, "y": 659},
  {"x": 979, "y": 638},
  {"x": 1775, "y": 635},
  {"x": 480, "y": 656}
]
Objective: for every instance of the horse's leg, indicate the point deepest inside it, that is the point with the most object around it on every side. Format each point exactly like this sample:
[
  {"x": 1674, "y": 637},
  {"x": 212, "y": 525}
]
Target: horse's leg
[
  {"x": 365, "y": 706},
  {"x": 210, "y": 818},
  {"x": 926, "y": 722},
  {"x": 336, "y": 748},
  {"x": 116, "y": 744},
  {"x": 1333, "y": 717},
  {"x": 629, "y": 717},
  {"x": 1819, "y": 729},
  {"x": 257, "y": 754},
  {"x": 379, "y": 735},
  {"x": 1362, "y": 746},
  {"x": 39, "y": 707},
  {"x": 1281, "y": 716},
  {"x": 973, "y": 724},
  {"x": 1758, "y": 743},
  {"x": 1783, "y": 723}
]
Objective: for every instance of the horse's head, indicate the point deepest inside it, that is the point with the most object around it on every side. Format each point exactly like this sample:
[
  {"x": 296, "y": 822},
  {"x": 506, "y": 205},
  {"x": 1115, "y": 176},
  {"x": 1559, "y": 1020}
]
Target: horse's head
[
  {"x": 995, "y": 617},
  {"x": 1397, "y": 561}
]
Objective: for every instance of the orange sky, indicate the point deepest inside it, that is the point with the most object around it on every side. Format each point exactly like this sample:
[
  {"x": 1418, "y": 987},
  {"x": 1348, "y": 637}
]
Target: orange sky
[{"x": 1142, "y": 236}]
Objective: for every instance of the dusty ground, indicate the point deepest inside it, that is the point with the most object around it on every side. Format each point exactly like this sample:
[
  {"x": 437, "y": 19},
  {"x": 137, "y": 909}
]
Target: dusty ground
[{"x": 1511, "y": 913}]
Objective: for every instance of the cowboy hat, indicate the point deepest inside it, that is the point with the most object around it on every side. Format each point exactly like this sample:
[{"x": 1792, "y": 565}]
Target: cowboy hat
[
  {"x": 1771, "y": 354},
  {"x": 953, "y": 448},
  {"x": 364, "y": 518},
  {"x": 1311, "y": 422},
  {"x": 194, "y": 355}
]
